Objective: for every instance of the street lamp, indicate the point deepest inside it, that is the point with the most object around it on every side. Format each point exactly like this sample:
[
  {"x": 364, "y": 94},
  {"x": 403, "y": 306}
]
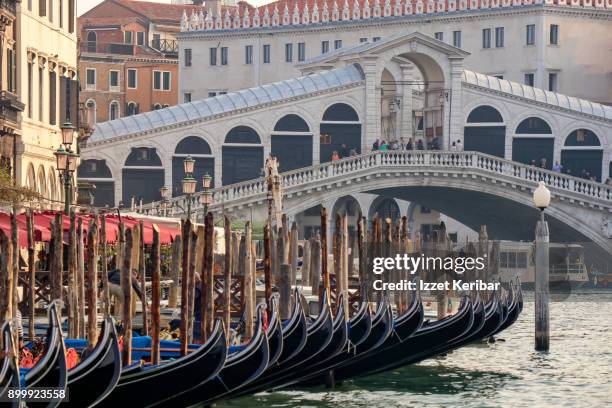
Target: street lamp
[
  {"x": 67, "y": 133},
  {"x": 541, "y": 199},
  {"x": 66, "y": 162},
  {"x": 164, "y": 199},
  {"x": 206, "y": 198},
  {"x": 189, "y": 183}
]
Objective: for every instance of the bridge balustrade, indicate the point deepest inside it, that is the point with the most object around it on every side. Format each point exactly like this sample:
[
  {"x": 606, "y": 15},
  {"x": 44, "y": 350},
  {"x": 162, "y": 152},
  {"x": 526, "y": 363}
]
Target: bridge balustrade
[{"x": 408, "y": 159}]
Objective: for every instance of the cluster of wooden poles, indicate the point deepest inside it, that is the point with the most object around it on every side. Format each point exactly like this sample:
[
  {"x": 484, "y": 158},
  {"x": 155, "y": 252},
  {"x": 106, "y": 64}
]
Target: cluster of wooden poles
[{"x": 193, "y": 252}]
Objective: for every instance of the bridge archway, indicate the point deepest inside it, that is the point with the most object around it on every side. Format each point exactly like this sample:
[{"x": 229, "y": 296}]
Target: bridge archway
[
  {"x": 242, "y": 155},
  {"x": 533, "y": 141},
  {"x": 340, "y": 131},
  {"x": 98, "y": 173},
  {"x": 42, "y": 181},
  {"x": 200, "y": 151},
  {"x": 291, "y": 143},
  {"x": 349, "y": 206},
  {"x": 142, "y": 175},
  {"x": 385, "y": 207},
  {"x": 582, "y": 154},
  {"x": 485, "y": 131}
]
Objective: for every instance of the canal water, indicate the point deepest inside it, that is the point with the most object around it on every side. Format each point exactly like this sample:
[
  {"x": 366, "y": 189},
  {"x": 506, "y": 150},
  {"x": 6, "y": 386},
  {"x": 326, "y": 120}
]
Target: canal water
[{"x": 577, "y": 372}]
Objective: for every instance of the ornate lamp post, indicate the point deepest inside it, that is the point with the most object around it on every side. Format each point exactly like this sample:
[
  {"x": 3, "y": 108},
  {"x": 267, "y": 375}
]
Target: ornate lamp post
[
  {"x": 164, "y": 199},
  {"x": 206, "y": 198},
  {"x": 66, "y": 161},
  {"x": 189, "y": 183},
  {"x": 541, "y": 199}
]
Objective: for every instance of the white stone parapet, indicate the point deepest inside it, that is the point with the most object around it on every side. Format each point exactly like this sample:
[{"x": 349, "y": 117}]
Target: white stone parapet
[
  {"x": 302, "y": 15},
  {"x": 523, "y": 176}
]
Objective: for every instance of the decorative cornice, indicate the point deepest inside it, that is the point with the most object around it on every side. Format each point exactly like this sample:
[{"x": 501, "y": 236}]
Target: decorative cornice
[{"x": 199, "y": 31}]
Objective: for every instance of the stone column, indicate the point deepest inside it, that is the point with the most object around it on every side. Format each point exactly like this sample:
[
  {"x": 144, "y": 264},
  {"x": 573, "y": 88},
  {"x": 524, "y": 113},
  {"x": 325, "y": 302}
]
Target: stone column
[
  {"x": 406, "y": 108},
  {"x": 372, "y": 104},
  {"x": 453, "y": 112}
]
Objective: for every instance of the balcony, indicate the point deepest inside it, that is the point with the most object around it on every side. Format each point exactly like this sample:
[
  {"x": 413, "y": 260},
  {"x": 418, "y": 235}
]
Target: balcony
[
  {"x": 10, "y": 106},
  {"x": 168, "y": 47},
  {"x": 107, "y": 48}
]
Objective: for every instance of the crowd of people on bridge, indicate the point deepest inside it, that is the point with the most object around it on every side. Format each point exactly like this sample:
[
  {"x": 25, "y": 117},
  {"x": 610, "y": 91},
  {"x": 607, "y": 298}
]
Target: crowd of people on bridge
[{"x": 402, "y": 144}]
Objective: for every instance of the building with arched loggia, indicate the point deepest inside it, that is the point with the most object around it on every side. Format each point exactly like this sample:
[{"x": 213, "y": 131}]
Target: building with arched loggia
[{"x": 342, "y": 104}]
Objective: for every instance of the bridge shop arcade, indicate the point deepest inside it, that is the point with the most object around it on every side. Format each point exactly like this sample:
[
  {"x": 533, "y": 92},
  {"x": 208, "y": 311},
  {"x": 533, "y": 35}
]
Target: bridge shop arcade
[{"x": 408, "y": 87}]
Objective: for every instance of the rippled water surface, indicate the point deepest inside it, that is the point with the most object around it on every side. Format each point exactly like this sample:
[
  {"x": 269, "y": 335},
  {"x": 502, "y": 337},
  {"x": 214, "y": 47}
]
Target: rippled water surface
[{"x": 577, "y": 372}]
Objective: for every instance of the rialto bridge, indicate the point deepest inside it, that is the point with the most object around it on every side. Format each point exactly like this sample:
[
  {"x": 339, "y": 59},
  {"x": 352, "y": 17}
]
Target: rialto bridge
[{"x": 405, "y": 88}]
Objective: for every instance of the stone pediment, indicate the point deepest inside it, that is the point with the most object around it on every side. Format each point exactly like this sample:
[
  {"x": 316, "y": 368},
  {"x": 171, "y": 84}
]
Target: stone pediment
[{"x": 416, "y": 42}]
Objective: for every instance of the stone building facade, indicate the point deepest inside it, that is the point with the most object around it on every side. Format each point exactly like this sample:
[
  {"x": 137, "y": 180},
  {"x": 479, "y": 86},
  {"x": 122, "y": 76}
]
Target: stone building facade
[{"x": 539, "y": 43}]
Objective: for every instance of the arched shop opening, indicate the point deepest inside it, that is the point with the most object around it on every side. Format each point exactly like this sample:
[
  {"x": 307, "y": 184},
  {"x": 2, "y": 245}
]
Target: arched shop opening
[
  {"x": 533, "y": 141},
  {"x": 485, "y": 131},
  {"x": 99, "y": 174},
  {"x": 340, "y": 131},
  {"x": 291, "y": 143},
  {"x": 204, "y": 162},
  {"x": 143, "y": 176},
  {"x": 582, "y": 154},
  {"x": 242, "y": 155}
]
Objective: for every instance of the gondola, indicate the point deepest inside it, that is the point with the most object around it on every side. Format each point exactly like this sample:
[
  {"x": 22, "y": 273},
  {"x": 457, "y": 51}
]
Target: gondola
[
  {"x": 319, "y": 335},
  {"x": 274, "y": 332},
  {"x": 242, "y": 366},
  {"x": 334, "y": 347},
  {"x": 428, "y": 336},
  {"x": 96, "y": 376},
  {"x": 402, "y": 328},
  {"x": 9, "y": 372},
  {"x": 156, "y": 384},
  {"x": 295, "y": 331},
  {"x": 50, "y": 372},
  {"x": 514, "y": 309}
]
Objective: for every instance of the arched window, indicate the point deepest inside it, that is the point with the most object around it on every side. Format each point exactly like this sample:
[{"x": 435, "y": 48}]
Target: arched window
[
  {"x": 114, "y": 110},
  {"x": 143, "y": 175},
  {"x": 242, "y": 155},
  {"x": 91, "y": 104},
  {"x": 91, "y": 41},
  {"x": 42, "y": 181},
  {"x": 533, "y": 126},
  {"x": 485, "y": 131},
  {"x": 31, "y": 178},
  {"x": 157, "y": 106},
  {"x": 291, "y": 123},
  {"x": 485, "y": 114},
  {"x": 533, "y": 143},
  {"x": 291, "y": 143},
  {"x": 200, "y": 151},
  {"x": 97, "y": 172},
  {"x": 582, "y": 137},
  {"x": 582, "y": 155},
  {"x": 340, "y": 112},
  {"x": 340, "y": 131},
  {"x": 132, "y": 109},
  {"x": 242, "y": 134}
]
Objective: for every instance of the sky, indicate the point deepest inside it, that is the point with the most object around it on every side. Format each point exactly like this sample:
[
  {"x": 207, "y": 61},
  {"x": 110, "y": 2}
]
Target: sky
[{"x": 85, "y": 5}]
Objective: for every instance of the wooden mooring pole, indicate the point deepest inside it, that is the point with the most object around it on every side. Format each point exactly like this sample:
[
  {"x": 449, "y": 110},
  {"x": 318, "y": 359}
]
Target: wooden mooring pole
[
  {"x": 267, "y": 262},
  {"x": 126, "y": 287},
  {"x": 227, "y": 279},
  {"x": 104, "y": 273},
  {"x": 92, "y": 283},
  {"x": 208, "y": 301},
  {"x": 324, "y": 269},
  {"x": 73, "y": 292},
  {"x": 143, "y": 282},
  {"x": 184, "y": 324},
  {"x": 6, "y": 275},
  {"x": 155, "y": 295},
  {"x": 249, "y": 279},
  {"x": 31, "y": 274}
]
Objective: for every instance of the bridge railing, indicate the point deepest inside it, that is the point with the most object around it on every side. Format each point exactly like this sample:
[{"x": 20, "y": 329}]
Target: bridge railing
[{"x": 405, "y": 159}]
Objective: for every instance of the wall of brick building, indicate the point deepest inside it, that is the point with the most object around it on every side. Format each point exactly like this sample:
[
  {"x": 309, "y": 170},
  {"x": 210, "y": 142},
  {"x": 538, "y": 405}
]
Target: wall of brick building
[{"x": 102, "y": 95}]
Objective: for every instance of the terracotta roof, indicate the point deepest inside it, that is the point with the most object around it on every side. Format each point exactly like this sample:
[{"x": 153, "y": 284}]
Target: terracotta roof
[{"x": 159, "y": 11}]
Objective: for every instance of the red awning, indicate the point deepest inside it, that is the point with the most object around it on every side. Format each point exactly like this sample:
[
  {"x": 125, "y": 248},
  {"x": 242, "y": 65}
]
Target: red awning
[{"x": 44, "y": 219}]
